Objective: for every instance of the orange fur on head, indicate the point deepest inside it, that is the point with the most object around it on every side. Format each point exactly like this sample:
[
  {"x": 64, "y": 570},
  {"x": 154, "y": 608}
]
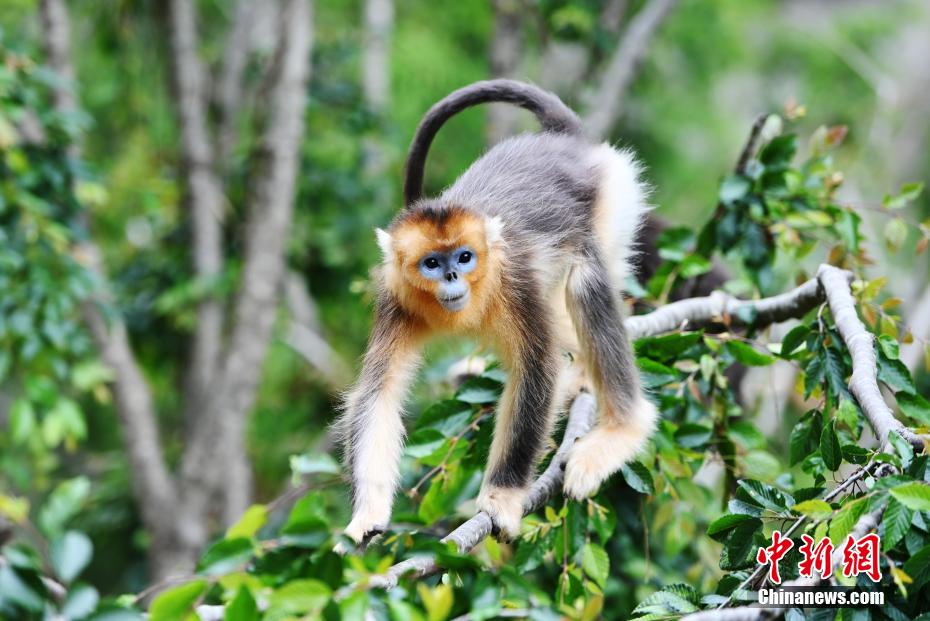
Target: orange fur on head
[{"x": 420, "y": 232}]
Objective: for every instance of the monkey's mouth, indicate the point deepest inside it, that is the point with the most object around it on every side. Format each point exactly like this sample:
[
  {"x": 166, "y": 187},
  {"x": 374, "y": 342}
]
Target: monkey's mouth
[{"x": 454, "y": 303}]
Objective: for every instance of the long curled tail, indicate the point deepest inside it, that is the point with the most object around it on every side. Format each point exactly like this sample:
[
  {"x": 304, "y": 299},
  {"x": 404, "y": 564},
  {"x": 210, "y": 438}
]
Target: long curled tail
[{"x": 553, "y": 115}]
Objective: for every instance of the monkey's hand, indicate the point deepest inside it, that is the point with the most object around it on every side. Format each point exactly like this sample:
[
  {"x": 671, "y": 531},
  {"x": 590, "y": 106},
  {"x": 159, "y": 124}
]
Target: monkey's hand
[
  {"x": 505, "y": 506},
  {"x": 362, "y": 530}
]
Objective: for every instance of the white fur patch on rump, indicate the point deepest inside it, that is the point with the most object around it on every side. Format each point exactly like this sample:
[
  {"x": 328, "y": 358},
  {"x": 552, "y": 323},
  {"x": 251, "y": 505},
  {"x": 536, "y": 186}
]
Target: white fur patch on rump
[{"x": 620, "y": 208}]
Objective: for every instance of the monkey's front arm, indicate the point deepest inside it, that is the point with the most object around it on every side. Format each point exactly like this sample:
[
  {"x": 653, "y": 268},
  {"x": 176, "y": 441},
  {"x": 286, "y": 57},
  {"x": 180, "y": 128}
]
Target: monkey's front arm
[{"x": 375, "y": 430}]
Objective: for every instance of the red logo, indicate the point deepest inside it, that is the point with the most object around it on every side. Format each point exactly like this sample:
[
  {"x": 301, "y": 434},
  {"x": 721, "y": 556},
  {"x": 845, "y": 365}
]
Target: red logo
[
  {"x": 860, "y": 556},
  {"x": 774, "y": 553}
]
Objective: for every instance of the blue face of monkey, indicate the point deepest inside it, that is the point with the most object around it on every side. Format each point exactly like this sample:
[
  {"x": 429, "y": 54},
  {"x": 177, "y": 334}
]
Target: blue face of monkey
[{"x": 448, "y": 269}]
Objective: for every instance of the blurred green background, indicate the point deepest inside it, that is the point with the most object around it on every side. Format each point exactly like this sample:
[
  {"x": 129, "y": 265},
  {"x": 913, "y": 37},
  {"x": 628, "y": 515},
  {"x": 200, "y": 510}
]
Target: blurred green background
[{"x": 711, "y": 68}]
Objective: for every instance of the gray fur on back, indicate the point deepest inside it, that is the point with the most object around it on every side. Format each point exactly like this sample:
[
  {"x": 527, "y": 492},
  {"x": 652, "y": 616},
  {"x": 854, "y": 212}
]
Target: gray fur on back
[{"x": 536, "y": 183}]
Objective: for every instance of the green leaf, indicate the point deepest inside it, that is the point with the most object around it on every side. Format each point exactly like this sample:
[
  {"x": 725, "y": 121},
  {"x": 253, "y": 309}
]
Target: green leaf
[
  {"x": 897, "y": 521},
  {"x": 673, "y": 600},
  {"x": 889, "y": 346},
  {"x": 654, "y": 374},
  {"x": 895, "y": 233},
  {"x": 479, "y": 390},
  {"x": 638, "y": 477},
  {"x": 794, "y": 339},
  {"x": 14, "y": 588},
  {"x": 70, "y": 554},
  {"x": 914, "y": 406},
  {"x": 830, "y": 449},
  {"x": 895, "y": 375},
  {"x": 815, "y": 508},
  {"x": 766, "y": 495},
  {"x": 595, "y": 563},
  {"x": 694, "y": 266},
  {"x": 692, "y": 435},
  {"x": 252, "y": 520},
  {"x": 748, "y": 355},
  {"x": 87, "y": 375},
  {"x": 908, "y": 193},
  {"x": 314, "y": 463},
  {"x": 448, "y": 417},
  {"x": 721, "y": 527},
  {"x": 242, "y": 607},
  {"x": 22, "y": 420},
  {"x": 63, "y": 503},
  {"x": 800, "y": 440},
  {"x": 778, "y": 153},
  {"x": 914, "y": 495},
  {"x": 225, "y": 555},
  {"x": 847, "y": 413},
  {"x": 299, "y": 597},
  {"x": 437, "y": 600},
  {"x": 918, "y": 568},
  {"x": 82, "y": 600},
  {"x": 844, "y": 519},
  {"x": 177, "y": 603},
  {"x": 734, "y": 187},
  {"x": 667, "y": 346}
]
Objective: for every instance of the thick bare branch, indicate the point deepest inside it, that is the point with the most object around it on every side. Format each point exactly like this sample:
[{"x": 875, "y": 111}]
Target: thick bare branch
[
  {"x": 228, "y": 94},
  {"x": 270, "y": 210},
  {"x": 56, "y": 43},
  {"x": 376, "y": 54},
  {"x": 377, "y": 25},
  {"x": 720, "y": 307},
  {"x": 861, "y": 345},
  {"x": 204, "y": 198},
  {"x": 607, "y": 104}
]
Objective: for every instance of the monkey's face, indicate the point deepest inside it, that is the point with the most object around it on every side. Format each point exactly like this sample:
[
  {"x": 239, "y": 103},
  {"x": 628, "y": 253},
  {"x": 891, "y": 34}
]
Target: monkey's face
[
  {"x": 439, "y": 257},
  {"x": 447, "y": 269}
]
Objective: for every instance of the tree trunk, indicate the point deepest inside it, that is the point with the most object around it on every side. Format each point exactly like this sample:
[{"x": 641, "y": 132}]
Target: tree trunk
[{"x": 506, "y": 51}]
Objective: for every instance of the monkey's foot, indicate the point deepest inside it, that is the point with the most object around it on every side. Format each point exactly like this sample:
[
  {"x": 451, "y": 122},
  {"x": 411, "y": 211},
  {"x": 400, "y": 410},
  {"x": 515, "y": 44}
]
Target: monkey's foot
[
  {"x": 363, "y": 529},
  {"x": 583, "y": 475},
  {"x": 505, "y": 506},
  {"x": 605, "y": 449}
]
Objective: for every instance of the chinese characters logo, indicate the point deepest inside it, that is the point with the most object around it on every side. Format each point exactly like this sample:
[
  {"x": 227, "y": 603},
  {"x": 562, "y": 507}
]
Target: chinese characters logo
[{"x": 859, "y": 556}]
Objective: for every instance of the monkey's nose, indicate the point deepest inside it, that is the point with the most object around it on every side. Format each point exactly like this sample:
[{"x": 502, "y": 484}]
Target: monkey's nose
[{"x": 450, "y": 276}]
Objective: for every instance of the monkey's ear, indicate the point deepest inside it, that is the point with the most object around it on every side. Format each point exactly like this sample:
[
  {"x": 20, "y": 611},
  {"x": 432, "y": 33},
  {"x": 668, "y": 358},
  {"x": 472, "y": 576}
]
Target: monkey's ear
[
  {"x": 386, "y": 243},
  {"x": 494, "y": 231}
]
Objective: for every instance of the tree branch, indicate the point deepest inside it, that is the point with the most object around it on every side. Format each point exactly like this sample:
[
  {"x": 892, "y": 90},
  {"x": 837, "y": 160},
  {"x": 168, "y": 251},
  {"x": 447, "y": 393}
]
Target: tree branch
[
  {"x": 303, "y": 335},
  {"x": 204, "y": 201},
  {"x": 228, "y": 90},
  {"x": 607, "y": 104},
  {"x": 863, "y": 383},
  {"x": 270, "y": 210},
  {"x": 56, "y": 43}
]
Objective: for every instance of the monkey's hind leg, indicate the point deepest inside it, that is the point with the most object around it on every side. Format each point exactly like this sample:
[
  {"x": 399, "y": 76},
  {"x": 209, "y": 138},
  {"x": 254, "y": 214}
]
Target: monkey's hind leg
[
  {"x": 627, "y": 418},
  {"x": 523, "y": 423}
]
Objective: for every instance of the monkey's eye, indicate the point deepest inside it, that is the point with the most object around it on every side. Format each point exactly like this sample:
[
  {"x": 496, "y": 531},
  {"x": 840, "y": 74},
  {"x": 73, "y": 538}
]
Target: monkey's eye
[
  {"x": 465, "y": 257},
  {"x": 431, "y": 263}
]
